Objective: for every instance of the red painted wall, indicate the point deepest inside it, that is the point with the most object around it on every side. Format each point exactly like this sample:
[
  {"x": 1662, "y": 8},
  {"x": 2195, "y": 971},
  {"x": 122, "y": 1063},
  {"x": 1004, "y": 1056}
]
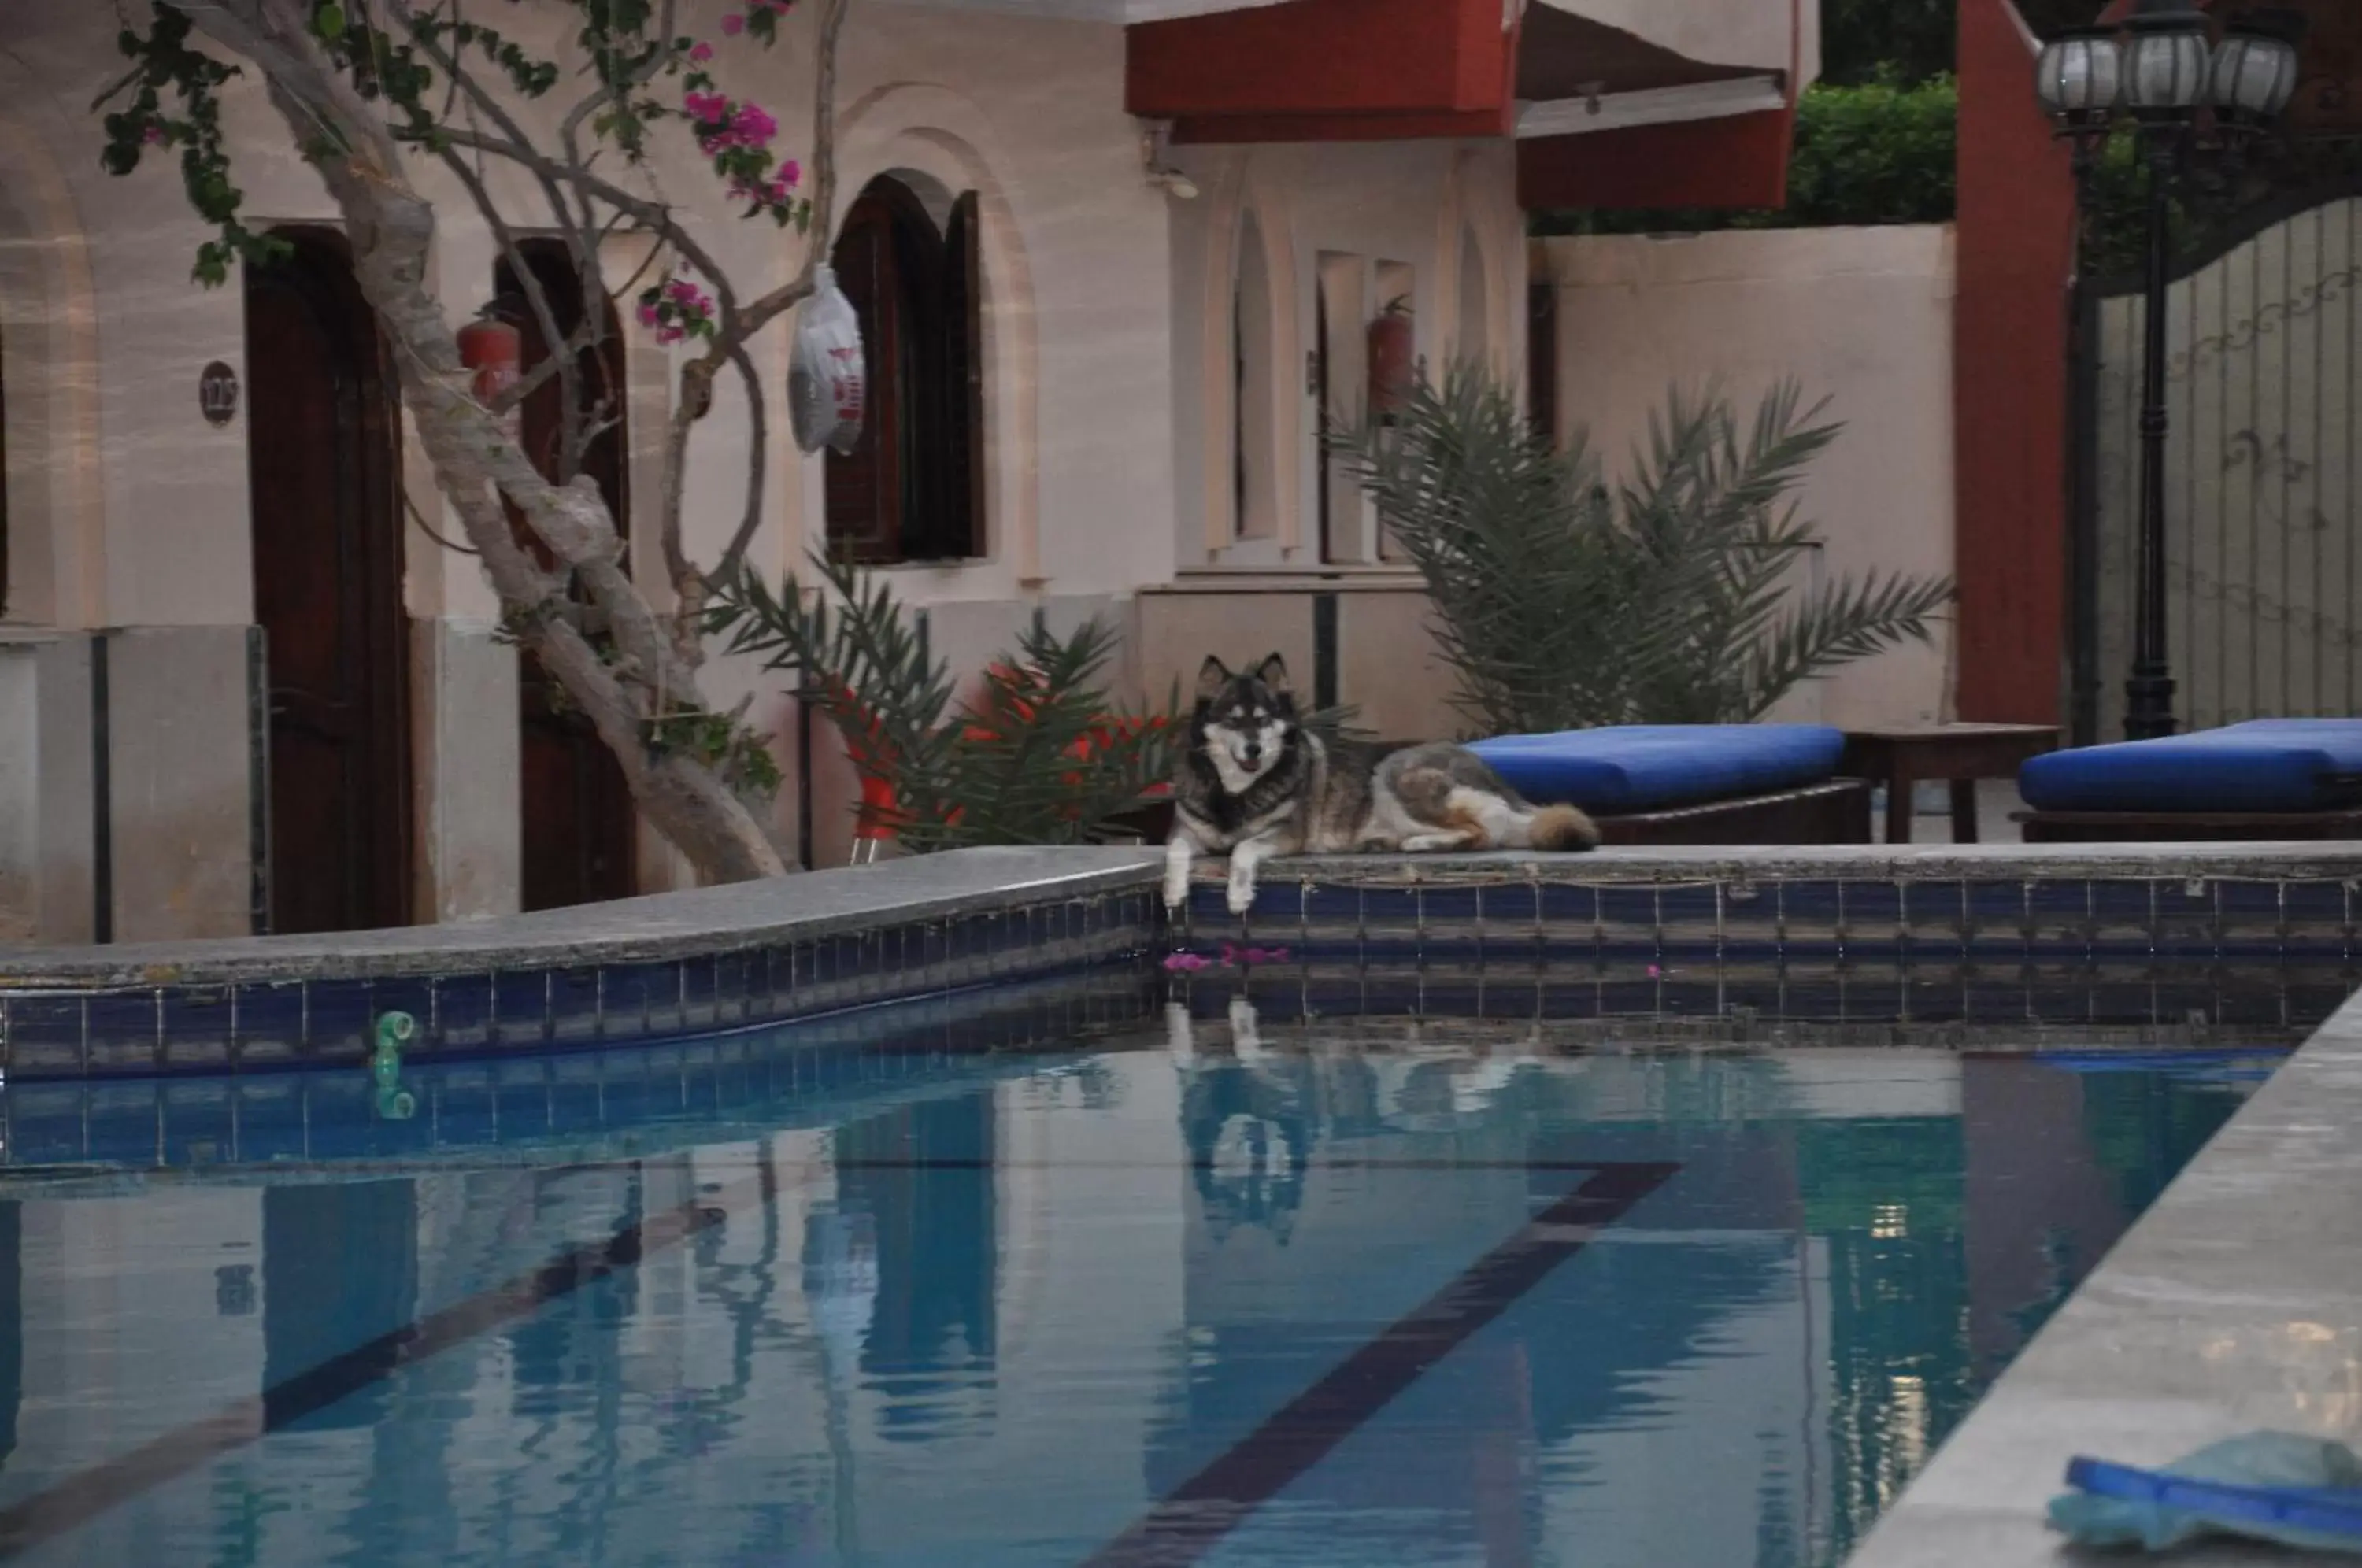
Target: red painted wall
[
  {"x": 2010, "y": 378},
  {"x": 1323, "y": 57},
  {"x": 1739, "y": 161}
]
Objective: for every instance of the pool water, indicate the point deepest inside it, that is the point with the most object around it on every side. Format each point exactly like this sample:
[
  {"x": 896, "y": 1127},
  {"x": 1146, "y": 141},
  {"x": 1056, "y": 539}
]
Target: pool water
[{"x": 1325, "y": 1295}]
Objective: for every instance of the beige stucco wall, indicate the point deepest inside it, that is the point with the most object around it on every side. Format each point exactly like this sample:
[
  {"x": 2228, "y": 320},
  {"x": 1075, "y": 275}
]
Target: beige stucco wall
[
  {"x": 1107, "y": 390},
  {"x": 1107, "y": 337},
  {"x": 1862, "y": 317}
]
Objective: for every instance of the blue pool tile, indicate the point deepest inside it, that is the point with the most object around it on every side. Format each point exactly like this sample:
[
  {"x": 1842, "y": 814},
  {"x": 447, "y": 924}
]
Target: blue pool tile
[
  {"x": 2124, "y": 917},
  {"x": 2188, "y": 920},
  {"x": 464, "y": 1012},
  {"x": 1928, "y": 993},
  {"x": 2059, "y": 915},
  {"x": 2061, "y": 992},
  {"x": 1393, "y": 912},
  {"x": 1447, "y": 908},
  {"x": 521, "y": 1007},
  {"x": 1936, "y": 919},
  {"x": 1570, "y": 911},
  {"x": 1628, "y": 920},
  {"x": 1997, "y": 917},
  {"x": 1750, "y": 916},
  {"x": 697, "y": 993},
  {"x": 1510, "y": 911},
  {"x": 197, "y": 1028},
  {"x": 197, "y": 1127},
  {"x": 641, "y": 998},
  {"x": 47, "y": 1123},
  {"x": 126, "y": 1031},
  {"x": 1994, "y": 993},
  {"x": 1689, "y": 919},
  {"x": 2320, "y": 916},
  {"x": 2253, "y": 920},
  {"x": 1810, "y": 915},
  {"x": 123, "y": 1124},
  {"x": 577, "y": 1004},
  {"x": 1329, "y": 908},
  {"x": 340, "y": 1017},
  {"x": 1870, "y": 916}
]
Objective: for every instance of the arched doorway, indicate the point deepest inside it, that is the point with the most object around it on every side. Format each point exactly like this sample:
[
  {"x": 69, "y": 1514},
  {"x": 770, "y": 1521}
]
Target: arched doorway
[
  {"x": 322, "y": 451},
  {"x": 580, "y": 828}
]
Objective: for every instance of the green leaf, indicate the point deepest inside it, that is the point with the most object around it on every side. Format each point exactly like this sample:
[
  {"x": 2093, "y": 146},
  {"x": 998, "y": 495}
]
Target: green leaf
[{"x": 329, "y": 21}]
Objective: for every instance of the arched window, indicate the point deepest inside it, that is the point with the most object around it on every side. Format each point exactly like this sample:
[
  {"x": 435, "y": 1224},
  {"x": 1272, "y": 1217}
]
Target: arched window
[
  {"x": 912, "y": 488},
  {"x": 1254, "y": 453}
]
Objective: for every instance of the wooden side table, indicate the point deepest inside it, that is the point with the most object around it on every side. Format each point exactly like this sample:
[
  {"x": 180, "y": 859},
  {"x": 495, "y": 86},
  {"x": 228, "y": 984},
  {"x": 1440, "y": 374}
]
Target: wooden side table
[{"x": 1901, "y": 755}]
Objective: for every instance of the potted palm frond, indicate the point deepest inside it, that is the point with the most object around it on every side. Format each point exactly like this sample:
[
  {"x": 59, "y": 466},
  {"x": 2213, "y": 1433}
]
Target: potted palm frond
[{"x": 1671, "y": 596}]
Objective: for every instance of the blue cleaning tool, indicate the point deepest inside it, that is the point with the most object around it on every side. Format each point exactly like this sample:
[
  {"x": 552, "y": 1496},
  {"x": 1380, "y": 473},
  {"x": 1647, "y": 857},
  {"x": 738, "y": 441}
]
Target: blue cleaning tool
[{"x": 2285, "y": 1487}]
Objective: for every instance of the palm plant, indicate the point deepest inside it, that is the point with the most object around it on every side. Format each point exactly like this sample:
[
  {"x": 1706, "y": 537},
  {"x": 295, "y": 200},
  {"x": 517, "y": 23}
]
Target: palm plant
[
  {"x": 1672, "y": 598},
  {"x": 1041, "y": 755}
]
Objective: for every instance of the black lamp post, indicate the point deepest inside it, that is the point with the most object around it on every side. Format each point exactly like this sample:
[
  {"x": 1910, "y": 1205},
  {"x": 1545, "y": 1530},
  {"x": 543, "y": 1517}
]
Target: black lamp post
[{"x": 2161, "y": 73}]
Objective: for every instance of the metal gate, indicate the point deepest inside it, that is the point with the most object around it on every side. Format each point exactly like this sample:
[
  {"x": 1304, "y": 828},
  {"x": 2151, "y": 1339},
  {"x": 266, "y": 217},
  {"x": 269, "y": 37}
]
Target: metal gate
[{"x": 2263, "y": 574}]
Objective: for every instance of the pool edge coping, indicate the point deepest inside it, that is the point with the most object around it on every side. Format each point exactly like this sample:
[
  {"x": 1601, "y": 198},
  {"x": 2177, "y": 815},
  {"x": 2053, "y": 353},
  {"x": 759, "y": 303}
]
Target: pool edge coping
[
  {"x": 703, "y": 921},
  {"x": 2234, "y": 1303}
]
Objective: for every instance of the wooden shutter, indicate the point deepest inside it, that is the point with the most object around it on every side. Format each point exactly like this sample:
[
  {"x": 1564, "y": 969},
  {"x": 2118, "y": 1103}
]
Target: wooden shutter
[
  {"x": 864, "y": 487},
  {"x": 1541, "y": 362},
  {"x": 963, "y": 498}
]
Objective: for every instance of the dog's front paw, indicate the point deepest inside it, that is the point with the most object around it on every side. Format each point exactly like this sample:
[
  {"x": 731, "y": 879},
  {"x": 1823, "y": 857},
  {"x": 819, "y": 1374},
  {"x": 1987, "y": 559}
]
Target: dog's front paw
[
  {"x": 1241, "y": 894},
  {"x": 1177, "y": 889}
]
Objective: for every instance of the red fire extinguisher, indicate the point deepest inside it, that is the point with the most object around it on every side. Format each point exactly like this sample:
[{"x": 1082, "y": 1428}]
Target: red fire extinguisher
[
  {"x": 494, "y": 350},
  {"x": 1392, "y": 347}
]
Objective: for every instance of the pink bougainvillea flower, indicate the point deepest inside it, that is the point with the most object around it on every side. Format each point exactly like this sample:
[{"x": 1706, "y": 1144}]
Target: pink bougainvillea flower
[
  {"x": 153, "y": 134},
  {"x": 701, "y": 53},
  {"x": 734, "y": 24},
  {"x": 791, "y": 173},
  {"x": 754, "y": 127},
  {"x": 1186, "y": 961}
]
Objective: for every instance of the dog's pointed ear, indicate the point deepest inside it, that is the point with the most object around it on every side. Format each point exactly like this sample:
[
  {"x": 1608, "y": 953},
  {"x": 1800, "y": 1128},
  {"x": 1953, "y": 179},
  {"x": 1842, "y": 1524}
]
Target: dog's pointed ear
[
  {"x": 1272, "y": 672},
  {"x": 1211, "y": 677}
]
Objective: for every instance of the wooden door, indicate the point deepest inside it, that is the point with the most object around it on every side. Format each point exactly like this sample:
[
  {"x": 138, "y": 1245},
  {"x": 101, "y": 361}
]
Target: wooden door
[
  {"x": 580, "y": 827},
  {"x": 321, "y": 444}
]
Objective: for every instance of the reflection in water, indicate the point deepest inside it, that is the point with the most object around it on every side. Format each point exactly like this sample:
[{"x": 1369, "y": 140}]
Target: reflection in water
[{"x": 993, "y": 1324}]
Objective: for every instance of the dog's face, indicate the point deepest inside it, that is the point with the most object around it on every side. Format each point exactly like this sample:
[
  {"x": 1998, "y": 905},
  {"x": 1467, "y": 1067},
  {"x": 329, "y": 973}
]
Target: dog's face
[{"x": 1243, "y": 722}]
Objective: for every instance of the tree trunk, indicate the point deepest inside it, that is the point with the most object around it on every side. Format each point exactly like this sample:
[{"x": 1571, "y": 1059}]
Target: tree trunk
[{"x": 392, "y": 229}]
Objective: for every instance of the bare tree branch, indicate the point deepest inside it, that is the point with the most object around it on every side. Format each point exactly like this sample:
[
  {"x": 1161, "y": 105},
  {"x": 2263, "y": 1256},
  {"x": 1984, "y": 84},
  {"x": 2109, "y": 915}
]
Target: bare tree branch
[
  {"x": 759, "y": 440},
  {"x": 697, "y": 376}
]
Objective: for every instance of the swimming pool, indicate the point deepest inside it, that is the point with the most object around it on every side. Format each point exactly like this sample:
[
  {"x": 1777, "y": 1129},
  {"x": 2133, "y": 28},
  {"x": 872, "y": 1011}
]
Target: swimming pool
[{"x": 1224, "y": 1291}]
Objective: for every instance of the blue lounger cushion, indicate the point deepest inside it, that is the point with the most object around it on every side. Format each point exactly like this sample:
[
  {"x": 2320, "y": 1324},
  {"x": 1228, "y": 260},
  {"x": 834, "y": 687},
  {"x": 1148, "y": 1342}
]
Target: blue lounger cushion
[
  {"x": 1648, "y": 767},
  {"x": 2264, "y": 766}
]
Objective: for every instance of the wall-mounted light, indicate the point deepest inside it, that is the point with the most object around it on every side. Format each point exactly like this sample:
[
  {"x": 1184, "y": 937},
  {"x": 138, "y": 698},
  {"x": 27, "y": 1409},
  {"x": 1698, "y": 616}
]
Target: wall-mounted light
[{"x": 1160, "y": 172}]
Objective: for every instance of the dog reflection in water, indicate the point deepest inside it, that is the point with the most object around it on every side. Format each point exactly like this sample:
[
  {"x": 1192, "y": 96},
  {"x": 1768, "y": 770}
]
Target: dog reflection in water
[{"x": 1244, "y": 1115}]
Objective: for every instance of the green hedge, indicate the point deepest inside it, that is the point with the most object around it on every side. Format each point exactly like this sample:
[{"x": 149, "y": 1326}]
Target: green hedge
[{"x": 1879, "y": 153}]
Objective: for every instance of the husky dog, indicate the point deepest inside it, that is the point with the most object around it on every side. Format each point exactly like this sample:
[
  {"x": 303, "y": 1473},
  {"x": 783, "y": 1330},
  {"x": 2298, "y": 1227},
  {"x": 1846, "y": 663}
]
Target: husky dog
[{"x": 1256, "y": 783}]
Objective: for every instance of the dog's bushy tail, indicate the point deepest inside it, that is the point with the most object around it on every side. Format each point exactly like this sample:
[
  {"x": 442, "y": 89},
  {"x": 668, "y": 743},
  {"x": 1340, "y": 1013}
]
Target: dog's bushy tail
[{"x": 1561, "y": 827}]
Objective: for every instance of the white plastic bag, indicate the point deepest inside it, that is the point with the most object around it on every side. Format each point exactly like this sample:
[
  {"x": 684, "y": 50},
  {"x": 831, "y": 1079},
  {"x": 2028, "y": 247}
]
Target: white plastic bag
[{"x": 827, "y": 381}]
